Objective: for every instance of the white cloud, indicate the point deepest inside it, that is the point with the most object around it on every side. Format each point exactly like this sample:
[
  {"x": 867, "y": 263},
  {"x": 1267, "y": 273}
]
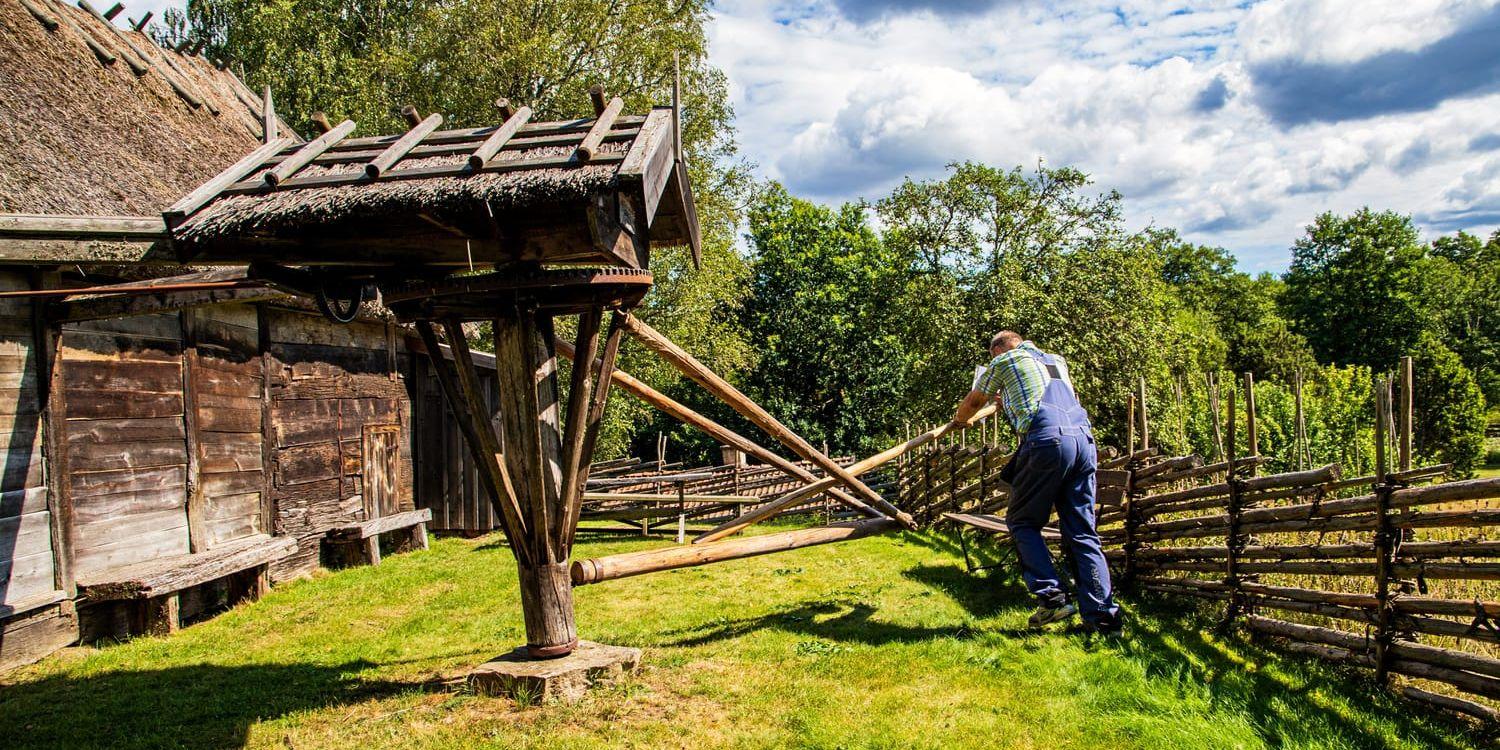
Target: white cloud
[{"x": 1157, "y": 103}]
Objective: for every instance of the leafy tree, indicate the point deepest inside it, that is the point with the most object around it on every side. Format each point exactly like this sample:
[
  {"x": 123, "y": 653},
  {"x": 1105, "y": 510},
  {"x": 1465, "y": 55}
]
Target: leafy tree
[
  {"x": 1354, "y": 287},
  {"x": 1463, "y": 283},
  {"x": 1449, "y": 407},
  {"x": 832, "y": 364}
]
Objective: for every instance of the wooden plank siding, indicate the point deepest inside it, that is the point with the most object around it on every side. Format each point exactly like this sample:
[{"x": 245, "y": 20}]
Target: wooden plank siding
[
  {"x": 447, "y": 482},
  {"x": 27, "y": 567},
  {"x": 338, "y": 411}
]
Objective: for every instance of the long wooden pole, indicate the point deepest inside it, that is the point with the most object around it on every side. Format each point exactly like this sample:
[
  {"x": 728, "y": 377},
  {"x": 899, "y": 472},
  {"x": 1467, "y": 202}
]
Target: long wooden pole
[
  {"x": 681, "y": 413},
  {"x": 650, "y": 561},
  {"x": 1405, "y": 415},
  {"x": 720, "y": 388},
  {"x": 759, "y": 513}
]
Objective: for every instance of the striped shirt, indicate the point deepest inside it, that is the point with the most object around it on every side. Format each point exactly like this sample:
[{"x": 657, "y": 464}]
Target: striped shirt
[{"x": 1020, "y": 380}]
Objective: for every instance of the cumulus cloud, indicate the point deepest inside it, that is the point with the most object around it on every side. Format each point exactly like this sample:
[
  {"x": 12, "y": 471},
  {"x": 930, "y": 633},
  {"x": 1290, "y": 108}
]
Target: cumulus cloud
[
  {"x": 1471, "y": 200},
  {"x": 867, "y": 10},
  {"x": 1297, "y": 90}
]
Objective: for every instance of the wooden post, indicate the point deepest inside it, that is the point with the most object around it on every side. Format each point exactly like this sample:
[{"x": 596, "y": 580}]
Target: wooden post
[
  {"x": 1234, "y": 543},
  {"x": 267, "y": 426},
  {"x": 47, "y": 347},
  {"x": 526, "y": 368},
  {"x": 1218, "y": 417},
  {"x": 1385, "y": 533},
  {"x": 1130, "y": 424},
  {"x": 1299, "y": 426},
  {"x": 1145, "y": 420},
  {"x": 1405, "y": 414},
  {"x": 196, "y": 510},
  {"x": 1252, "y": 435}
]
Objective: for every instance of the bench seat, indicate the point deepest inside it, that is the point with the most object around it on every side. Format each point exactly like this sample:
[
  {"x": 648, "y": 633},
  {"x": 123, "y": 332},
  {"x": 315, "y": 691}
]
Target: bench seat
[
  {"x": 356, "y": 543},
  {"x": 168, "y": 575}
]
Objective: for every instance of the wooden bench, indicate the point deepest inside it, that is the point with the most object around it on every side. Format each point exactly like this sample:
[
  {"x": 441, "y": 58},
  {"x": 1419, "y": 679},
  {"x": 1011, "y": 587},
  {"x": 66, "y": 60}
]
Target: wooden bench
[
  {"x": 152, "y": 587},
  {"x": 358, "y": 543}
]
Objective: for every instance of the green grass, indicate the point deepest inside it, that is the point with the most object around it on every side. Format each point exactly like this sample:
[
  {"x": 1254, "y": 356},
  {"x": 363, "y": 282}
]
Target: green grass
[{"x": 881, "y": 643}]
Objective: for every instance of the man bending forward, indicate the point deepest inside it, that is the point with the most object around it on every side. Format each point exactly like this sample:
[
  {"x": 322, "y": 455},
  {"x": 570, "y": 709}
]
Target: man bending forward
[{"x": 1053, "y": 469}]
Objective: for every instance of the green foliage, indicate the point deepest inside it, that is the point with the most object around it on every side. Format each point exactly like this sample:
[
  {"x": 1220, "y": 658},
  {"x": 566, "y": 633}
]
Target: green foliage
[
  {"x": 1463, "y": 283},
  {"x": 833, "y": 365},
  {"x": 1354, "y": 288},
  {"x": 1450, "y": 409}
]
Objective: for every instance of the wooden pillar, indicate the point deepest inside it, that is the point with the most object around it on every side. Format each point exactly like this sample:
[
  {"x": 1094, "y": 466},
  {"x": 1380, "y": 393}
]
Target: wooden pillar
[{"x": 526, "y": 368}]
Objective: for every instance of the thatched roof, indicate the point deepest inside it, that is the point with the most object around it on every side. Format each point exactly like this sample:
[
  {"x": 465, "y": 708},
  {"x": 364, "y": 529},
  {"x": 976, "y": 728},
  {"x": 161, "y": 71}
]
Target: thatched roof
[
  {"x": 86, "y": 137},
  {"x": 601, "y": 190}
]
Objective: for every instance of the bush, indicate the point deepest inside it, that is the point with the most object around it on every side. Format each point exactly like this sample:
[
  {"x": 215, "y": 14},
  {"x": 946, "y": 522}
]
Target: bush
[{"x": 1449, "y": 408}]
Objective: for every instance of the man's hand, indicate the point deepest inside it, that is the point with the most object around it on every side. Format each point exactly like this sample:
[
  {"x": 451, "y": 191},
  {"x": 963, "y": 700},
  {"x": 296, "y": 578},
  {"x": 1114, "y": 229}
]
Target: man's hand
[{"x": 972, "y": 403}]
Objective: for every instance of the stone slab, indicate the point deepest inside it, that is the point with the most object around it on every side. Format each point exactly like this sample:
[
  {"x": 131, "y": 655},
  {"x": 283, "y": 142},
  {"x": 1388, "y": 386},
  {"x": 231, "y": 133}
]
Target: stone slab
[{"x": 566, "y": 679}]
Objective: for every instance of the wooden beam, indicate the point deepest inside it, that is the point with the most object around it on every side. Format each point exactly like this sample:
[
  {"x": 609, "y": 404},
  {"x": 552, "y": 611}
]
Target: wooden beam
[
  {"x": 606, "y": 120},
  {"x": 320, "y": 119},
  {"x": 39, "y": 226},
  {"x": 605, "y": 366},
  {"x": 397, "y": 150},
  {"x": 480, "y": 438},
  {"x": 206, "y": 192},
  {"x": 196, "y": 505},
  {"x": 580, "y": 400},
  {"x": 790, "y": 499},
  {"x": 682, "y": 413},
  {"x": 268, "y": 115},
  {"x": 498, "y": 139},
  {"x": 629, "y": 564},
  {"x": 309, "y": 151},
  {"x": 422, "y": 173},
  {"x": 47, "y": 20},
  {"x": 698, "y": 373}
]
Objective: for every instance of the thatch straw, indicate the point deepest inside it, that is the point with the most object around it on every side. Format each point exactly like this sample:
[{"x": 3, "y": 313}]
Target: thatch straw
[
  {"x": 82, "y": 138},
  {"x": 286, "y": 212}
]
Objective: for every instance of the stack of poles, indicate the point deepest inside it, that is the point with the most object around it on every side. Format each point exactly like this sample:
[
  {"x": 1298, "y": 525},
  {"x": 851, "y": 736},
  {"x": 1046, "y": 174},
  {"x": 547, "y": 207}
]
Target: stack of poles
[{"x": 1166, "y": 543}]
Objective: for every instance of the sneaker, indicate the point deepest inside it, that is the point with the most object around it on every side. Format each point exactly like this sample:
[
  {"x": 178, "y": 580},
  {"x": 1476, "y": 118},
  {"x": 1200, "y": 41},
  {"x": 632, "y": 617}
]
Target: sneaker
[
  {"x": 1110, "y": 629},
  {"x": 1045, "y": 615}
]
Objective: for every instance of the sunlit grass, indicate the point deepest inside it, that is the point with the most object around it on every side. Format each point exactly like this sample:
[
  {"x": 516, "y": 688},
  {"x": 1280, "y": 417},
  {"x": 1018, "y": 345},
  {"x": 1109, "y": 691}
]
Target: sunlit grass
[{"x": 883, "y": 642}]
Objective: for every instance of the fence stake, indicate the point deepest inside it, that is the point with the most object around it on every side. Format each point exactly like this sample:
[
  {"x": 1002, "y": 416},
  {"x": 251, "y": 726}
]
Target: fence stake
[
  {"x": 1299, "y": 425},
  {"x": 1404, "y": 416},
  {"x": 1252, "y": 435},
  {"x": 1213, "y": 406},
  {"x": 1384, "y": 539},
  {"x": 1234, "y": 542},
  {"x": 1145, "y": 422},
  {"x": 1130, "y": 425}
]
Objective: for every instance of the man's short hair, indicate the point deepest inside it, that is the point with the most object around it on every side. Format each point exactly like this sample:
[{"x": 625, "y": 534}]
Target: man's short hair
[{"x": 1010, "y": 339}]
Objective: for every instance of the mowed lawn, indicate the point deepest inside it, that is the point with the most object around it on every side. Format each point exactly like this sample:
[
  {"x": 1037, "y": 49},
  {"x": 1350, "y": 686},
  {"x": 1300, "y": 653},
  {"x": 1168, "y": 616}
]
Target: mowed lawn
[{"x": 883, "y": 643}]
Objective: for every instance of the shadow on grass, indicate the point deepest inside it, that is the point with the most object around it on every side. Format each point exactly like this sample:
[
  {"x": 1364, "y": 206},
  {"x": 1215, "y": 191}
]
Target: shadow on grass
[{"x": 191, "y": 706}]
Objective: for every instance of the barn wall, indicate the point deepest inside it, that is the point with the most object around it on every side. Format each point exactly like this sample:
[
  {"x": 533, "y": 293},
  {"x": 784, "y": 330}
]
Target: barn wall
[
  {"x": 447, "y": 482},
  {"x": 341, "y": 422},
  {"x": 26, "y": 563}
]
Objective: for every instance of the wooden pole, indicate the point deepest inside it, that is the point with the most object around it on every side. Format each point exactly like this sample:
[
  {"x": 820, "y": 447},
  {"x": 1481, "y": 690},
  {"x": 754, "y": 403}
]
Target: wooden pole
[
  {"x": 605, "y": 366},
  {"x": 698, "y": 373},
  {"x": 1130, "y": 424},
  {"x": 526, "y": 370},
  {"x": 1384, "y": 539},
  {"x": 1145, "y": 420},
  {"x": 1300, "y": 423},
  {"x": 268, "y": 115},
  {"x": 1252, "y": 433},
  {"x": 1232, "y": 539},
  {"x": 649, "y": 561},
  {"x": 1405, "y": 413},
  {"x": 757, "y": 514},
  {"x": 1218, "y": 419},
  {"x": 682, "y": 413},
  {"x": 580, "y": 396}
]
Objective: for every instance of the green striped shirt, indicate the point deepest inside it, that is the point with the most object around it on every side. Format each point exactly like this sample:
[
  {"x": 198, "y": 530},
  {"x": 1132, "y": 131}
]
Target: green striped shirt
[{"x": 1020, "y": 379}]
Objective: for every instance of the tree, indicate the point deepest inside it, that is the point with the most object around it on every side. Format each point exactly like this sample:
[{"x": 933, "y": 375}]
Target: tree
[
  {"x": 1463, "y": 283},
  {"x": 1354, "y": 287},
  {"x": 1449, "y": 407},
  {"x": 832, "y": 365}
]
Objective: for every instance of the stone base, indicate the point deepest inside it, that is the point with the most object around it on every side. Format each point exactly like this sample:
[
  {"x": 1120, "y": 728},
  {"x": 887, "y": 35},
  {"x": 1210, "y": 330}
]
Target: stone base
[{"x": 518, "y": 676}]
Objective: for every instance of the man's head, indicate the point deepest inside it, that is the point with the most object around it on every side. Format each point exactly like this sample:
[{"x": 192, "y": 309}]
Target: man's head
[{"x": 1003, "y": 342}]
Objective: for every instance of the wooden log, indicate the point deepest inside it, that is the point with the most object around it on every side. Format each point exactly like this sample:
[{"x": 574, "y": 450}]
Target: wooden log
[
  {"x": 589, "y": 147},
  {"x": 801, "y": 494},
  {"x": 1129, "y": 458},
  {"x": 211, "y": 189},
  {"x": 1199, "y": 471},
  {"x": 720, "y": 388},
  {"x": 575, "y": 438},
  {"x": 499, "y": 138},
  {"x": 1455, "y": 607},
  {"x": 1451, "y": 703},
  {"x": 47, "y": 20},
  {"x": 1317, "y": 476},
  {"x": 1178, "y": 464},
  {"x": 650, "y": 561},
  {"x": 309, "y": 151},
  {"x": 394, "y": 152}
]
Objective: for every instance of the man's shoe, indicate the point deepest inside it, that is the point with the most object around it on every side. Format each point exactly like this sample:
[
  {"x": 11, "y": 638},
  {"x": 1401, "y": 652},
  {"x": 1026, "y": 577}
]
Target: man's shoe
[
  {"x": 1045, "y": 615},
  {"x": 1111, "y": 629}
]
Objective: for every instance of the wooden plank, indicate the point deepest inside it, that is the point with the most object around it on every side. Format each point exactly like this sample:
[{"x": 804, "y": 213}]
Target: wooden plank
[
  {"x": 25, "y": 577},
  {"x": 223, "y": 507},
  {"x": 29, "y": 534},
  {"x": 422, "y": 173},
  {"x": 20, "y": 502},
  {"x": 382, "y": 525},
  {"x": 302, "y": 422},
  {"x": 308, "y": 463},
  {"x": 97, "y": 404},
  {"x": 103, "y": 508},
  {"x": 231, "y": 483},
  {"x": 149, "y": 377},
  {"x": 201, "y": 196},
  {"x": 222, "y": 452},
  {"x": 160, "y": 577},
  {"x": 84, "y": 484},
  {"x": 228, "y": 530},
  {"x": 32, "y": 636},
  {"x": 124, "y": 456},
  {"x": 230, "y": 421},
  {"x": 124, "y": 431}
]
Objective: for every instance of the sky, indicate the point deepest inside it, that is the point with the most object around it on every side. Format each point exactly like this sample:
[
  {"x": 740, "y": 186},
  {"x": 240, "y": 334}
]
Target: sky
[{"x": 1234, "y": 122}]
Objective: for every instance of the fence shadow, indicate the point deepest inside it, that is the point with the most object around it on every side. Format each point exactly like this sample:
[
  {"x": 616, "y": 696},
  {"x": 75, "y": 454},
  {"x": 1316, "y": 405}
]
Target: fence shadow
[{"x": 205, "y": 706}]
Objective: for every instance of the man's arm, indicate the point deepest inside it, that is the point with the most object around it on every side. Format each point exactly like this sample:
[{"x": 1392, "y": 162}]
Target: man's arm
[{"x": 969, "y": 405}]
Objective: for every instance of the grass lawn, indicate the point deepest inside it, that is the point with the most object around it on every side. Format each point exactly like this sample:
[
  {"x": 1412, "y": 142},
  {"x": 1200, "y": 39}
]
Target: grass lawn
[{"x": 883, "y": 642}]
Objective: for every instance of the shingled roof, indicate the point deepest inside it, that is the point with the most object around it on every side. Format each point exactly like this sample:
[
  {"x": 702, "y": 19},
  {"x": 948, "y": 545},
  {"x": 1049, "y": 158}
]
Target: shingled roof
[{"x": 102, "y": 120}]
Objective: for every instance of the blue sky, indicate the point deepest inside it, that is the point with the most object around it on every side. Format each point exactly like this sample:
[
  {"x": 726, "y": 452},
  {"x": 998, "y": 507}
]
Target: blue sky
[{"x": 1235, "y": 122}]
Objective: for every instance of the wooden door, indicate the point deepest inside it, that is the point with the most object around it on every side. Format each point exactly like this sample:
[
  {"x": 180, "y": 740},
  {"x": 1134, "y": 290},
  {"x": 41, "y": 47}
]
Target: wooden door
[{"x": 382, "y": 470}]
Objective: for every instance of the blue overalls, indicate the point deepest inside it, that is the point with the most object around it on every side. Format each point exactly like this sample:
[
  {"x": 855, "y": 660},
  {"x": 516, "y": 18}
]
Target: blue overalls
[{"x": 1054, "y": 469}]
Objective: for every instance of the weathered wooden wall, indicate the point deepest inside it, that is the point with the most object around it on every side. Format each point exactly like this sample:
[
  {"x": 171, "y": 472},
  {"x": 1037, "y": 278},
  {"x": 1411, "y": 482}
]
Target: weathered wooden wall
[
  {"x": 341, "y": 424},
  {"x": 26, "y": 567},
  {"x": 446, "y": 478}
]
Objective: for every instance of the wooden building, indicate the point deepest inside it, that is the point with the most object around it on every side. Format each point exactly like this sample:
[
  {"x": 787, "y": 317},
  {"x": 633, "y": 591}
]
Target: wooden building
[{"x": 177, "y": 438}]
